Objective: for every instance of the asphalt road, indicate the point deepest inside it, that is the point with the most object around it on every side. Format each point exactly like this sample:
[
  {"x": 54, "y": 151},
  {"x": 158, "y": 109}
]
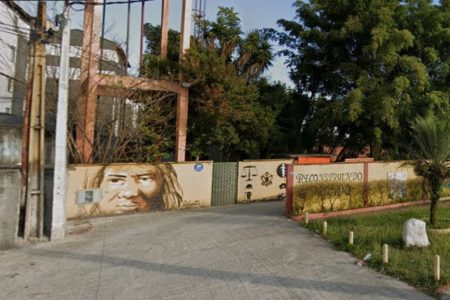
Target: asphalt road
[{"x": 243, "y": 252}]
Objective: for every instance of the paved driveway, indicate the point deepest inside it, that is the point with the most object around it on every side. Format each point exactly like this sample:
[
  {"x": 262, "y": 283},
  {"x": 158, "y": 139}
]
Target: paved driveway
[{"x": 242, "y": 252}]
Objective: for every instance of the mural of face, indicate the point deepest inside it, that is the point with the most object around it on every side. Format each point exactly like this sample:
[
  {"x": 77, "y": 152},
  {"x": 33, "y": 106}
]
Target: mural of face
[{"x": 131, "y": 188}]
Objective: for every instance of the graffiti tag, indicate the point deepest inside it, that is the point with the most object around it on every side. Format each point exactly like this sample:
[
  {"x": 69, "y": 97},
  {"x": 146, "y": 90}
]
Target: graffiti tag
[{"x": 350, "y": 176}]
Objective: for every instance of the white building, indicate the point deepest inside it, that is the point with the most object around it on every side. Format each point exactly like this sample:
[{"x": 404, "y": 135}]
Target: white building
[{"x": 15, "y": 26}]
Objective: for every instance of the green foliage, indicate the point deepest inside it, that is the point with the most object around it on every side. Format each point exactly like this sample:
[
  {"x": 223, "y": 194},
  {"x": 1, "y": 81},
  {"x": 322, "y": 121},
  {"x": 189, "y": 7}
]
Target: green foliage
[
  {"x": 227, "y": 110},
  {"x": 430, "y": 148},
  {"x": 154, "y": 66},
  {"x": 371, "y": 231},
  {"x": 369, "y": 68}
]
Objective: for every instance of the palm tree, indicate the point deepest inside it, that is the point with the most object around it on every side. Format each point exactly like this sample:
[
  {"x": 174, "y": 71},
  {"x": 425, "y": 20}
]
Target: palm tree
[
  {"x": 255, "y": 55},
  {"x": 431, "y": 150}
]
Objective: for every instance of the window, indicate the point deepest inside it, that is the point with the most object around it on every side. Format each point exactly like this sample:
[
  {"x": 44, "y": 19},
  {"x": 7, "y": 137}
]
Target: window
[
  {"x": 16, "y": 22},
  {"x": 12, "y": 54},
  {"x": 10, "y": 85}
]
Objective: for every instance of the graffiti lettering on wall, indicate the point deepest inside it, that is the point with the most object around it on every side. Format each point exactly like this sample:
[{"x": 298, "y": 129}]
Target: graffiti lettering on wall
[
  {"x": 349, "y": 176},
  {"x": 136, "y": 188},
  {"x": 328, "y": 191}
]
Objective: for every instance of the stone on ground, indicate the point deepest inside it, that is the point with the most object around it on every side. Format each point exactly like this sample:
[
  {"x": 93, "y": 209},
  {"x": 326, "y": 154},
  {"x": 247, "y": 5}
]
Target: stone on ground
[{"x": 415, "y": 233}]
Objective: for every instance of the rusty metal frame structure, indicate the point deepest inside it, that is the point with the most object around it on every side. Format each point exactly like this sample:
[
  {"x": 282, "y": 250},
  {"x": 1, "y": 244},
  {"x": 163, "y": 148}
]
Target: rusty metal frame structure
[{"x": 94, "y": 84}]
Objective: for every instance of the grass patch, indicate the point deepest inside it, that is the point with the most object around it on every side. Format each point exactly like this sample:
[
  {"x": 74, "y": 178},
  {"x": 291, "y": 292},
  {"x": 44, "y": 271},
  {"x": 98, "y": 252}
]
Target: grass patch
[{"x": 371, "y": 231}]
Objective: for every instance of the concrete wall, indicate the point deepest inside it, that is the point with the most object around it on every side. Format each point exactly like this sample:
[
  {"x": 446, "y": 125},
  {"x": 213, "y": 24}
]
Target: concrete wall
[
  {"x": 334, "y": 187},
  {"x": 329, "y": 187},
  {"x": 260, "y": 180},
  {"x": 125, "y": 188},
  {"x": 9, "y": 206},
  {"x": 393, "y": 182},
  {"x": 10, "y": 145}
]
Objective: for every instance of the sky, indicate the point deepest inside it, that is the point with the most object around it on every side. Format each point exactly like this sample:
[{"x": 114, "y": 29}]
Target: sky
[{"x": 254, "y": 14}]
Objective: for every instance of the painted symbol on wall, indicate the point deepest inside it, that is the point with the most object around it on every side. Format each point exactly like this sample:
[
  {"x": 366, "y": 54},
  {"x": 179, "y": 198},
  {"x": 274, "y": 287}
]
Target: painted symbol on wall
[
  {"x": 249, "y": 172},
  {"x": 266, "y": 179},
  {"x": 198, "y": 167},
  {"x": 248, "y": 192},
  {"x": 282, "y": 170}
]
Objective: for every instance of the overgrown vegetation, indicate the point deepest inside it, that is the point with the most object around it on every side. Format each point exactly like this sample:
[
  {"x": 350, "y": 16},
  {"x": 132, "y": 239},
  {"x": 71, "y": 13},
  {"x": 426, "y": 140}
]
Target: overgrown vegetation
[
  {"x": 371, "y": 231},
  {"x": 368, "y": 68},
  {"x": 232, "y": 108}
]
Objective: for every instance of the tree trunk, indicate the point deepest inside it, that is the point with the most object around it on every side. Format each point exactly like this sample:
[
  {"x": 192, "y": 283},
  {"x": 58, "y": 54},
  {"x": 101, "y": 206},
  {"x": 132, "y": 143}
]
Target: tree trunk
[{"x": 435, "y": 185}]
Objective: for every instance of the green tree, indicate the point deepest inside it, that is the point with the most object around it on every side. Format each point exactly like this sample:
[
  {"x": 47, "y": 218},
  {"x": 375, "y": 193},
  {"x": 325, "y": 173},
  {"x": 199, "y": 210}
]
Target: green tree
[
  {"x": 368, "y": 67},
  {"x": 430, "y": 148},
  {"x": 222, "y": 69}
]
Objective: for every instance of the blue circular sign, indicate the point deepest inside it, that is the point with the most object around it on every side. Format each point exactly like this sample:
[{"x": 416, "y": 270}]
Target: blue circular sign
[{"x": 198, "y": 167}]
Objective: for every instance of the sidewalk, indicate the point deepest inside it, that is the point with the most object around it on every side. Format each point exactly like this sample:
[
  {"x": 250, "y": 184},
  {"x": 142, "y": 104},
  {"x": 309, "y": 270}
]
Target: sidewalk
[{"x": 241, "y": 252}]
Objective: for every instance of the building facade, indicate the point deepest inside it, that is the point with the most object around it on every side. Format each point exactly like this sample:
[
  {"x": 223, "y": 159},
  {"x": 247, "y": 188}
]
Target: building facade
[{"x": 15, "y": 26}]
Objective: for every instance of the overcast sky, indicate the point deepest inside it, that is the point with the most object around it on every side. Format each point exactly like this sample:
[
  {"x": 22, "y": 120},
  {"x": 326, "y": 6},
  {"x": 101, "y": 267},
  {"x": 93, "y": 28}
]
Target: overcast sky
[{"x": 254, "y": 14}]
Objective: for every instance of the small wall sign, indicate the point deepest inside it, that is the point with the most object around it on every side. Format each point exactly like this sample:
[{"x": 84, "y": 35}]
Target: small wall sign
[{"x": 198, "y": 167}]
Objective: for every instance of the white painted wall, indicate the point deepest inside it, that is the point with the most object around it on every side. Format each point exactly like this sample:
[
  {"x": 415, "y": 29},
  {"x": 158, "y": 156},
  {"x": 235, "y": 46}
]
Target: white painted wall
[
  {"x": 11, "y": 25},
  {"x": 76, "y": 52}
]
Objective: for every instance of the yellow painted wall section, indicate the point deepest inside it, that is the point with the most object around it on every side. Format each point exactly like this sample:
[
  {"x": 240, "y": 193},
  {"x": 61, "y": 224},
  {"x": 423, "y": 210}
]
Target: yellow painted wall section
[
  {"x": 95, "y": 190},
  {"x": 332, "y": 187},
  {"x": 260, "y": 180},
  {"x": 392, "y": 182}
]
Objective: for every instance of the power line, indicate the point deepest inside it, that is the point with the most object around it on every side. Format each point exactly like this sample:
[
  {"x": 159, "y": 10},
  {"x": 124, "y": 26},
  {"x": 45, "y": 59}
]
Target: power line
[
  {"x": 14, "y": 26},
  {"x": 104, "y": 3}
]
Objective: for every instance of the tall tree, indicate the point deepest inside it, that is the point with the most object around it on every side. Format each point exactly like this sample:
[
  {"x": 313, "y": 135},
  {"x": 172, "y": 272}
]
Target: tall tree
[
  {"x": 368, "y": 67},
  {"x": 222, "y": 70}
]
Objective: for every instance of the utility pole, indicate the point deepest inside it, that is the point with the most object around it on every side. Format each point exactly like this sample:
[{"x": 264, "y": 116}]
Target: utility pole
[
  {"x": 60, "y": 173},
  {"x": 34, "y": 215},
  {"x": 141, "y": 46},
  {"x": 164, "y": 28},
  {"x": 88, "y": 80},
  {"x": 183, "y": 97}
]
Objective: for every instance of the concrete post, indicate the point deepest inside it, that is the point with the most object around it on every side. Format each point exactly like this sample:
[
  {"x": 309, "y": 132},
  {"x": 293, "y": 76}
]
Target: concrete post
[
  {"x": 186, "y": 24},
  {"x": 182, "y": 122},
  {"x": 437, "y": 268},
  {"x": 164, "y": 27},
  {"x": 183, "y": 97},
  {"x": 88, "y": 80},
  {"x": 60, "y": 173},
  {"x": 34, "y": 215},
  {"x": 385, "y": 254}
]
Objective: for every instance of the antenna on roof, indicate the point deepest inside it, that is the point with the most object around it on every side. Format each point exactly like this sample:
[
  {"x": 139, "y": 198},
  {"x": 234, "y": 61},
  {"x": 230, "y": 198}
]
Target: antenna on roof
[{"x": 199, "y": 17}]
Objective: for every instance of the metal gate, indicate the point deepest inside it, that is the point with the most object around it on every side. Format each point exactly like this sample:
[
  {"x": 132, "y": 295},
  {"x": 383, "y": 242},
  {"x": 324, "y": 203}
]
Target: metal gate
[{"x": 224, "y": 185}]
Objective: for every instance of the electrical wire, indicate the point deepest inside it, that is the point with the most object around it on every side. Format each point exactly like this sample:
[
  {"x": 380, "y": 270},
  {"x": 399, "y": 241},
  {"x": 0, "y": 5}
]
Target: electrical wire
[
  {"x": 14, "y": 26},
  {"x": 72, "y": 3}
]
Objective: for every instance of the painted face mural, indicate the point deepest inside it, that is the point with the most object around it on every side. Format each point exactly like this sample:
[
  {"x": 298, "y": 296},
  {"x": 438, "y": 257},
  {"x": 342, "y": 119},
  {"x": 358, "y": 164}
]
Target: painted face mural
[{"x": 139, "y": 188}]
